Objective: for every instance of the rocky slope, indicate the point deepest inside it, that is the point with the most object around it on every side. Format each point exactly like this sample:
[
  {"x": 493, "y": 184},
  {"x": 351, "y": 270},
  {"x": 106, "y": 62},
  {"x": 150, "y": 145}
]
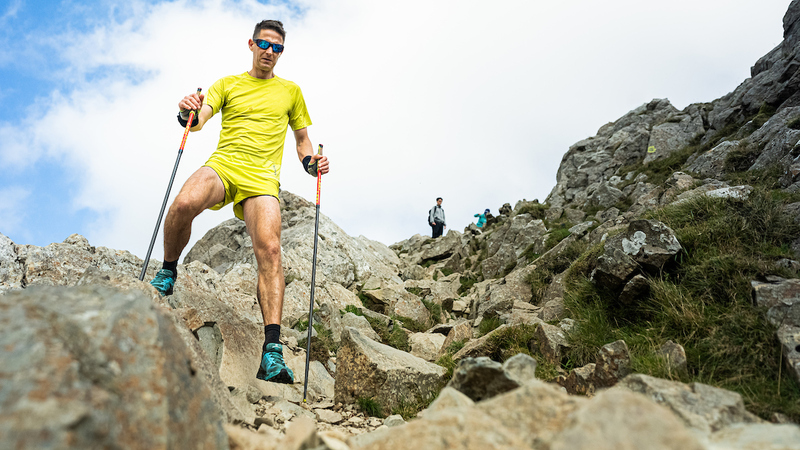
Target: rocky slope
[{"x": 626, "y": 311}]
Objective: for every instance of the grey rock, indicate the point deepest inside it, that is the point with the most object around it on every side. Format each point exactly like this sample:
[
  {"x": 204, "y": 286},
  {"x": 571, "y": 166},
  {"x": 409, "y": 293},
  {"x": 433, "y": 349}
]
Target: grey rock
[
  {"x": 606, "y": 196},
  {"x": 481, "y": 378},
  {"x": 536, "y": 411},
  {"x": 426, "y": 345},
  {"x": 635, "y": 290},
  {"x": 668, "y": 137},
  {"x": 762, "y": 436},
  {"x": 11, "y": 273},
  {"x": 580, "y": 380},
  {"x": 613, "y": 364},
  {"x": 781, "y": 300},
  {"x": 647, "y": 425},
  {"x": 478, "y": 347},
  {"x": 551, "y": 342},
  {"x": 92, "y": 366},
  {"x": 394, "y": 420},
  {"x": 712, "y": 163},
  {"x": 520, "y": 368},
  {"x": 328, "y": 416},
  {"x": 675, "y": 356},
  {"x": 789, "y": 337},
  {"x": 461, "y": 332},
  {"x": 699, "y": 406},
  {"x": 467, "y": 428},
  {"x": 360, "y": 323},
  {"x": 366, "y": 368},
  {"x": 449, "y": 397}
]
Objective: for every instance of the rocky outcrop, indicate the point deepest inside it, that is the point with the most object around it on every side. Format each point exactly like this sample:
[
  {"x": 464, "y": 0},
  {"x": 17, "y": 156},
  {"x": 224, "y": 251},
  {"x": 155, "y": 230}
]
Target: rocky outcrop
[
  {"x": 92, "y": 366},
  {"x": 340, "y": 259}
]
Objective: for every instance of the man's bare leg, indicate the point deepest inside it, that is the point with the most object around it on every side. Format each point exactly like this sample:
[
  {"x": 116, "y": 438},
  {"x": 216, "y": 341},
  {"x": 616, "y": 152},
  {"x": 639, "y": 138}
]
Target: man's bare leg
[
  {"x": 201, "y": 191},
  {"x": 262, "y": 215}
]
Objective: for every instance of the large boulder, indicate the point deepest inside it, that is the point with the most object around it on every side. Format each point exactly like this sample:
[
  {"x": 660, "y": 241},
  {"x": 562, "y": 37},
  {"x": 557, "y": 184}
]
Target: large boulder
[
  {"x": 699, "y": 406},
  {"x": 340, "y": 258},
  {"x": 646, "y": 244},
  {"x": 365, "y": 368},
  {"x": 781, "y": 299},
  {"x": 89, "y": 367},
  {"x": 600, "y": 425}
]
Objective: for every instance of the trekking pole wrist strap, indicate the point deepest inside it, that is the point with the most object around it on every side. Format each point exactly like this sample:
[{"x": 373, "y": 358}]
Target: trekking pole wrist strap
[
  {"x": 183, "y": 118},
  {"x": 311, "y": 169}
]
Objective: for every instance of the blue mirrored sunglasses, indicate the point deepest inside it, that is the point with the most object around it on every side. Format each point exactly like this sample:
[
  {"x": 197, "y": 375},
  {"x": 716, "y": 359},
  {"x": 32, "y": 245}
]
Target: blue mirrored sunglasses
[{"x": 277, "y": 48}]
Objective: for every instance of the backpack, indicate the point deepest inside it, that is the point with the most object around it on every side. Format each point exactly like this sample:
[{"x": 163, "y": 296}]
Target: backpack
[{"x": 428, "y": 217}]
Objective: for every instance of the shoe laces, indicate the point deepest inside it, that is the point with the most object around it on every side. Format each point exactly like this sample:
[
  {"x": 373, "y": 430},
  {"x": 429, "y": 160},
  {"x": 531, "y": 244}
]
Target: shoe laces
[{"x": 163, "y": 276}]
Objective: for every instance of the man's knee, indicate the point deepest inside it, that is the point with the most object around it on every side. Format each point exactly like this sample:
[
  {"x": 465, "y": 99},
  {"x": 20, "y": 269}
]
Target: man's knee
[
  {"x": 184, "y": 207},
  {"x": 268, "y": 253}
]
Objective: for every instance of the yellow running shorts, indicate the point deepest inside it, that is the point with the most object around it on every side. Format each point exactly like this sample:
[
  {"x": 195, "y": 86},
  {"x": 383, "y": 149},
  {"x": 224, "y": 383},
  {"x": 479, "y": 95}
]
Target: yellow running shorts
[{"x": 244, "y": 176}]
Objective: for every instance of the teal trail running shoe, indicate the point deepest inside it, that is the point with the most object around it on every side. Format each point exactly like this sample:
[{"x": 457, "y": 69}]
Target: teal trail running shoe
[
  {"x": 273, "y": 368},
  {"x": 164, "y": 282}
]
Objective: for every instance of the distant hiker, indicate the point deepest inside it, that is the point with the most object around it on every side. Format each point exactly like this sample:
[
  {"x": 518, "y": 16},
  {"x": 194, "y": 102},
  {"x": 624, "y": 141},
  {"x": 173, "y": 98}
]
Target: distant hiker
[
  {"x": 436, "y": 218},
  {"x": 256, "y": 107},
  {"x": 482, "y": 218}
]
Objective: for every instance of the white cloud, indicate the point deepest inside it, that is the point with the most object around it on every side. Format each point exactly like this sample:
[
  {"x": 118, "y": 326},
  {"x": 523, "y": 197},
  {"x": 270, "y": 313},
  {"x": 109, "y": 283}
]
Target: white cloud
[
  {"x": 413, "y": 100},
  {"x": 13, "y": 206}
]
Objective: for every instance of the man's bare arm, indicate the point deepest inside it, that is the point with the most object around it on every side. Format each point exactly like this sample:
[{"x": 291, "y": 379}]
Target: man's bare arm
[{"x": 304, "y": 149}]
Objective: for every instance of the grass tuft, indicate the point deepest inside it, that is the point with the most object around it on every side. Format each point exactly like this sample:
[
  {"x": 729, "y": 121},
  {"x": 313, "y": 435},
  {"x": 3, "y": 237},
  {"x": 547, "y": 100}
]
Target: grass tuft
[{"x": 370, "y": 407}]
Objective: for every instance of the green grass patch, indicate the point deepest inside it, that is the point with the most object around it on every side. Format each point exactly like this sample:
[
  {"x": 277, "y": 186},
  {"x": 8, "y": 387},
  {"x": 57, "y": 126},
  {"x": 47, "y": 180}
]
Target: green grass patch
[
  {"x": 530, "y": 253},
  {"x": 550, "y": 265},
  {"x": 702, "y": 303},
  {"x": 322, "y": 345},
  {"x": 353, "y": 309},
  {"x": 555, "y": 236},
  {"x": 448, "y": 363},
  {"x": 446, "y": 272},
  {"x": 370, "y": 407},
  {"x": 415, "y": 290},
  {"x": 410, "y": 409},
  {"x": 435, "y": 309},
  {"x": 488, "y": 324},
  {"x": 466, "y": 284},
  {"x": 508, "y": 268},
  {"x": 537, "y": 210}
]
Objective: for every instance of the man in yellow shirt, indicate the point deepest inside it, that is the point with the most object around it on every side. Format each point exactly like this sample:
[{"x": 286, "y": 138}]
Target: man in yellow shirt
[{"x": 257, "y": 106}]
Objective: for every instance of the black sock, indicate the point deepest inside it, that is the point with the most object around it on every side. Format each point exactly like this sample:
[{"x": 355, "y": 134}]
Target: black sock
[
  {"x": 171, "y": 265},
  {"x": 272, "y": 334}
]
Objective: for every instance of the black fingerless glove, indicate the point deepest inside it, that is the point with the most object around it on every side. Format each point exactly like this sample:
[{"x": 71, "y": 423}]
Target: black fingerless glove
[
  {"x": 311, "y": 169},
  {"x": 184, "y": 120}
]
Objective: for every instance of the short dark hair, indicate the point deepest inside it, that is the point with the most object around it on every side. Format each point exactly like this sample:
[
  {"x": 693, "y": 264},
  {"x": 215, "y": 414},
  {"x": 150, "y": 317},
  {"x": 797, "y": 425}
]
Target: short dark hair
[
  {"x": 274, "y": 25},
  {"x": 438, "y": 198}
]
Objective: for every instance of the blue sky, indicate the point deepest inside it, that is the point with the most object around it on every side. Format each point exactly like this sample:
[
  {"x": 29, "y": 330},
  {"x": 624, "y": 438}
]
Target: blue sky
[{"x": 471, "y": 101}]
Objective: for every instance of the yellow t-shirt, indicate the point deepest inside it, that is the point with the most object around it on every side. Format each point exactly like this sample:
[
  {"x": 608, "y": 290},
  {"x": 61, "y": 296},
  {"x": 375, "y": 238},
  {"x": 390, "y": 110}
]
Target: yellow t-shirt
[{"x": 255, "y": 114}]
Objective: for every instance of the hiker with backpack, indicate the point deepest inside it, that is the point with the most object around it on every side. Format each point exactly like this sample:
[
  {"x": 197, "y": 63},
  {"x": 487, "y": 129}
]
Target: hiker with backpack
[
  {"x": 256, "y": 107},
  {"x": 436, "y": 218}
]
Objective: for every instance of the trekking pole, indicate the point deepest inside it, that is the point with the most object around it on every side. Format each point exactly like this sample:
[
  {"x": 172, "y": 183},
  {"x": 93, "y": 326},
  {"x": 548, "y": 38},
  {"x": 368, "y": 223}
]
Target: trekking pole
[
  {"x": 169, "y": 188},
  {"x": 313, "y": 277}
]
